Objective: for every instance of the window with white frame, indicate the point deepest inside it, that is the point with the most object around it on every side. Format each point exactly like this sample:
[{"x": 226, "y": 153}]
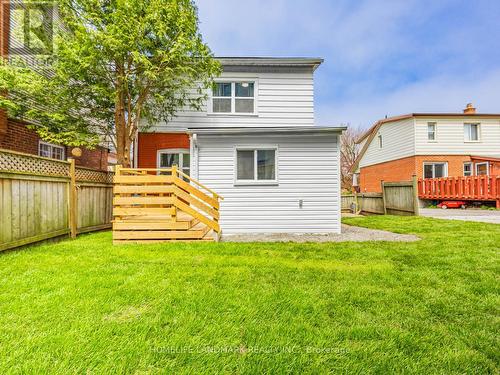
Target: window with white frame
[
  {"x": 380, "y": 142},
  {"x": 170, "y": 157},
  {"x": 472, "y": 132},
  {"x": 468, "y": 169},
  {"x": 482, "y": 169},
  {"x": 257, "y": 165},
  {"x": 233, "y": 98},
  {"x": 49, "y": 150},
  {"x": 431, "y": 131},
  {"x": 435, "y": 170}
]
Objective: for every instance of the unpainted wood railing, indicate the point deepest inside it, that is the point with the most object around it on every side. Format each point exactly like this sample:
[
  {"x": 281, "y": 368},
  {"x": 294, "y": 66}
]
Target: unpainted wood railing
[{"x": 162, "y": 204}]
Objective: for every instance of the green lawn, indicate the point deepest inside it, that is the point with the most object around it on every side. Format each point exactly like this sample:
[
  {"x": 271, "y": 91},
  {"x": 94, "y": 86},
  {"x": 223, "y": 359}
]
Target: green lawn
[{"x": 85, "y": 306}]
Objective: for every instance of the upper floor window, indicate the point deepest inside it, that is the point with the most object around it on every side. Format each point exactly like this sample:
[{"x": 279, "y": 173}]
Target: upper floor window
[
  {"x": 471, "y": 132},
  {"x": 233, "y": 97},
  {"x": 48, "y": 150},
  {"x": 431, "y": 131},
  {"x": 380, "y": 142}
]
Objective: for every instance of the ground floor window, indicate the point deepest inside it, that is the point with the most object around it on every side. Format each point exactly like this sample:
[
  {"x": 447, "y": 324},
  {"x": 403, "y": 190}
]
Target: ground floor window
[
  {"x": 180, "y": 157},
  {"x": 256, "y": 165},
  {"x": 435, "y": 170},
  {"x": 49, "y": 150},
  {"x": 482, "y": 169}
]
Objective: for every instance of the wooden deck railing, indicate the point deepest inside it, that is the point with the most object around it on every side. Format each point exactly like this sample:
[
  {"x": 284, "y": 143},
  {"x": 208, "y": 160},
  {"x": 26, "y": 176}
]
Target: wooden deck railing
[
  {"x": 480, "y": 188},
  {"x": 159, "y": 204}
]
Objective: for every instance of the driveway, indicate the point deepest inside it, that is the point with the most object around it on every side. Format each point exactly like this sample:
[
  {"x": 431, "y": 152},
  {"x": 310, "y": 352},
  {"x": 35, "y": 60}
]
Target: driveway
[{"x": 485, "y": 216}]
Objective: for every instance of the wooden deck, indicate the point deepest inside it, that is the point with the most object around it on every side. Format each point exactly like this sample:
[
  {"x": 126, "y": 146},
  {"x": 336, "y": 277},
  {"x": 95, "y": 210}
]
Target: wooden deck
[
  {"x": 156, "y": 205},
  {"x": 473, "y": 188}
]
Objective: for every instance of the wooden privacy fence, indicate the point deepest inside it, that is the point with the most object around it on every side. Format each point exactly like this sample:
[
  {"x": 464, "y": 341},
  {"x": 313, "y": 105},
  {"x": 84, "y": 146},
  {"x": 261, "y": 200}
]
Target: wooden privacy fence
[
  {"x": 42, "y": 198},
  {"x": 397, "y": 198},
  {"x": 154, "y": 205},
  {"x": 475, "y": 188}
]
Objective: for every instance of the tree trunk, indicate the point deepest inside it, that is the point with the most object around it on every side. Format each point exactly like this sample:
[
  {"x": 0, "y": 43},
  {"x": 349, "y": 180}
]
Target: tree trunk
[{"x": 123, "y": 140}]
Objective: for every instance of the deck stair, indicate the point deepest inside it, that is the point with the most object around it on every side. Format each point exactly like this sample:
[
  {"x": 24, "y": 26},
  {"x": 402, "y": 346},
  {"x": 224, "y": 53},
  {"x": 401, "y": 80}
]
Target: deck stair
[{"x": 156, "y": 205}]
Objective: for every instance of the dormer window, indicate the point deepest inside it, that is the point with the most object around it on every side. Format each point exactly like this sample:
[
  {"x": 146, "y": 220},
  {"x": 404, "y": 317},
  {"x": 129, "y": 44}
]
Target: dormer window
[{"x": 233, "y": 97}]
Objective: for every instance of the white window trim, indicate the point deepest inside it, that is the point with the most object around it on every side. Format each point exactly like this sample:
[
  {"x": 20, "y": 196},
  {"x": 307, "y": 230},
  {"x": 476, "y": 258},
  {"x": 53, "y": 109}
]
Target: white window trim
[
  {"x": 181, "y": 151},
  {"x": 479, "y": 135},
  {"x": 51, "y": 145},
  {"x": 471, "y": 168},
  {"x": 435, "y": 132},
  {"x": 233, "y": 82},
  {"x": 487, "y": 168},
  {"x": 433, "y": 171},
  {"x": 255, "y": 181}
]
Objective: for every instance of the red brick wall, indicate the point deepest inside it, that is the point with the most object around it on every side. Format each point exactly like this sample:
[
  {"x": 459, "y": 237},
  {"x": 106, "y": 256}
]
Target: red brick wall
[
  {"x": 403, "y": 169},
  {"x": 396, "y": 170},
  {"x": 21, "y": 139},
  {"x": 150, "y": 143}
]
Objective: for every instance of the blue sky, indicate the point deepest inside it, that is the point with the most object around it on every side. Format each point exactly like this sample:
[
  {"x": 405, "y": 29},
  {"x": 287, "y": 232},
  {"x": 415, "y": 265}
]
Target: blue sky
[{"x": 382, "y": 57}]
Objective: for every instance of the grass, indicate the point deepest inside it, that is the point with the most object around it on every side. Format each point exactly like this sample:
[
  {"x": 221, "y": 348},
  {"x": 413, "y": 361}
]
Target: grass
[{"x": 430, "y": 306}]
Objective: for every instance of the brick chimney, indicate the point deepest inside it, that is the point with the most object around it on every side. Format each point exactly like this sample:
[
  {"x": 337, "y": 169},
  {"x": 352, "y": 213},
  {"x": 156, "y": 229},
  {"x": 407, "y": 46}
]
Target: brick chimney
[{"x": 469, "y": 109}]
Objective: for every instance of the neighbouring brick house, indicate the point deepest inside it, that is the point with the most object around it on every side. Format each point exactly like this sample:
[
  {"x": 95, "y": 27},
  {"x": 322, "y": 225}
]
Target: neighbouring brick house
[
  {"x": 15, "y": 136},
  {"x": 428, "y": 145}
]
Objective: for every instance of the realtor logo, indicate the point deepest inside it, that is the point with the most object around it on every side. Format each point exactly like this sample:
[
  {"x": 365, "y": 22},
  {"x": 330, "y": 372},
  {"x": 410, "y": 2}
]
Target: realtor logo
[{"x": 31, "y": 27}]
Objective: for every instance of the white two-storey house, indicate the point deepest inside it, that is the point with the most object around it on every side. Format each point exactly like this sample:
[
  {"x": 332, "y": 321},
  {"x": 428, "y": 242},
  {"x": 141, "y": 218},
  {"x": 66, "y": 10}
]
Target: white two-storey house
[{"x": 255, "y": 143}]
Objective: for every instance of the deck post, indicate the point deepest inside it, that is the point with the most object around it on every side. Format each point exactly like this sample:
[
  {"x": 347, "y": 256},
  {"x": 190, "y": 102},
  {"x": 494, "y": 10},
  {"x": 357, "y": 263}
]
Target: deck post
[{"x": 383, "y": 195}]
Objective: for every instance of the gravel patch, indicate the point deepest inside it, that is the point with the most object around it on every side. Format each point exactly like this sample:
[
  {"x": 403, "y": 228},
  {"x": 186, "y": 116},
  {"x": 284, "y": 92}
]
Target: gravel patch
[
  {"x": 349, "y": 233},
  {"x": 485, "y": 216}
]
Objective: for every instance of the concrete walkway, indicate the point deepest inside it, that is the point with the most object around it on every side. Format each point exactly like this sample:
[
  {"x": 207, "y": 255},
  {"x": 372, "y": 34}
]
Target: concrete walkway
[
  {"x": 485, "y": 216},
  {"x": 349, "y": 233}
]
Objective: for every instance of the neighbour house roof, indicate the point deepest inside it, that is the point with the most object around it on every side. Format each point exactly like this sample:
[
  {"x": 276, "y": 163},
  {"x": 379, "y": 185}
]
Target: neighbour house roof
[
  {"x": 268, "y": 130},
  {"x": 370, "y": 133},
  {"x": 246, "y": 63}
]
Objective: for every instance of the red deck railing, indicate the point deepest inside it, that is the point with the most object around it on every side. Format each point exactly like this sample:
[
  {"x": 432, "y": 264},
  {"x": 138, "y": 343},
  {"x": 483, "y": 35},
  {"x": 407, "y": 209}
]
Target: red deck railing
[{"x": 480, "y": 188}]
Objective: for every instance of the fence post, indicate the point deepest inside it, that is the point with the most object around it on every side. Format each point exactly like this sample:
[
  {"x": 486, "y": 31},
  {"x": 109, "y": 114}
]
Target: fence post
[
  {"x": 383, "y": 195},
  {"x": 416, "y": 210},
  {"x": 72, "y": 198}
]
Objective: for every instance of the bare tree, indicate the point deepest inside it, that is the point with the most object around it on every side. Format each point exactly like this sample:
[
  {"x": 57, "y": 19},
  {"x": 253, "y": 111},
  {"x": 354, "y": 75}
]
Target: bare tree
[{"x": 349, "y": 151}]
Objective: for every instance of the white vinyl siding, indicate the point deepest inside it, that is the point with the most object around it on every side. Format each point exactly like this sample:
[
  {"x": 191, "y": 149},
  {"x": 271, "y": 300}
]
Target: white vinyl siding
[
  {"x": 398, "y": 141},
  {"x": 281, "y": 99},
  {"x": 307, "y": 172},
  {"x": 451, "y": 137}
]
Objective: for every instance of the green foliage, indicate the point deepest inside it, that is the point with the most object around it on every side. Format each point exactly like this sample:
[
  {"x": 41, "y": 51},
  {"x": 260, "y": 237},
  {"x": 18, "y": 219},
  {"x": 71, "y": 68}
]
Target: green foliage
[
  {"x": 86, "y": 306},
  {"x": 117, "y": 65}
]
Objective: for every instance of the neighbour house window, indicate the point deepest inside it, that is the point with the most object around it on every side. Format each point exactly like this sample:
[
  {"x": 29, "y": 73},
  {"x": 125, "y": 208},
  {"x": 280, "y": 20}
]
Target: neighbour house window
[
  {"x": 180, "y": 157},
  {"x": 233, "y": 97},
  {"x": 431, "y": 131},
  {"x": 435, "y": 170},
  {"x": 256, "y": 165},
  {"x": 482, "y": 169},
  {"x": 467, "y": 169},
  {"x": 49, "y": 150},
  {"x": 471, "y": 132},
  {"x": 380, "y": 143}
]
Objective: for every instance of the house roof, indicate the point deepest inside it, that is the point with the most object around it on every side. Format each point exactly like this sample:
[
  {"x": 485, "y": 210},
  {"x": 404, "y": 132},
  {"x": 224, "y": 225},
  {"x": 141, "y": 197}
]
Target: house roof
[
  {"x": 270, "y": 130},
  {"x": 370, "y": 133},
  {"x": 291, "y": 62}
]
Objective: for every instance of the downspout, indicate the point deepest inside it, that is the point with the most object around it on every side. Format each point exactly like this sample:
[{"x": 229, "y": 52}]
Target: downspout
[
  {"x": 194, "y": 152},
  {"x": 136, "y": 151}
]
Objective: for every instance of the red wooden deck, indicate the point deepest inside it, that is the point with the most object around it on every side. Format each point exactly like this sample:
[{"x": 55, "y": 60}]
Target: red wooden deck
[{"x": 474, "y": 188}]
